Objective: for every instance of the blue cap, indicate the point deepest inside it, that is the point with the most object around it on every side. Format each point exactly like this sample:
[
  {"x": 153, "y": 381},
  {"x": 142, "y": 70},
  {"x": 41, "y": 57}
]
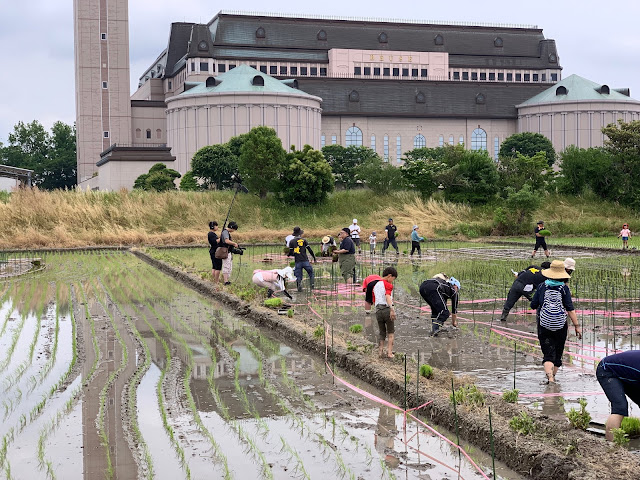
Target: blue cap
[{"x": 454, "y": 281}]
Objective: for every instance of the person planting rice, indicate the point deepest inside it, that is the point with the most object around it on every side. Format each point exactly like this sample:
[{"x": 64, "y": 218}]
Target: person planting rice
[
  {"x": 346, "y": 255},
  {"x": 415, "y": 241},
  {"x": 524, "y": 285},
  {"x": 553, "y": 303},
  {"x": 367, "y": 287},
  {"x": 619, "y": 377},
  {"x": 540, "y": 232},
  {"x": 298, "y": 247},
  {"x": 625, "y": 233},
  {"x": 328, "y": 245},
  {"x": 273, "y": 280},
  {"x": 385, "y": 311},
  {"x": 436, "y": 291}
]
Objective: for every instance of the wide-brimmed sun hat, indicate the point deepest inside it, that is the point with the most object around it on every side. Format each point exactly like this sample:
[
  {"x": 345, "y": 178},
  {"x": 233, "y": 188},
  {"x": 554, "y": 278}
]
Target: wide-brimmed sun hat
[
  {"x": 556, "y": 271},
  {"x": 569, "y": 264},
  {"x": 286, "y": 273},
  {"x": 326, "y": 239},
  {"x": 441, "y": 276}
]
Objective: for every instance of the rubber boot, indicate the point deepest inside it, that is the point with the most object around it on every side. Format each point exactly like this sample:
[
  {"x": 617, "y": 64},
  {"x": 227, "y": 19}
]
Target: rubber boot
[
  {"x": 287, "y": 294},
  {"x": 299, "y": 285},
  {"x": 269, "y": 293}
]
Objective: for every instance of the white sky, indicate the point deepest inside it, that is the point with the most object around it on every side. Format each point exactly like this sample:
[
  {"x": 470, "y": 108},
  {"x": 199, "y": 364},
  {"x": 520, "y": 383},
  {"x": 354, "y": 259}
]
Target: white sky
[{"x": 597, "y": 40}]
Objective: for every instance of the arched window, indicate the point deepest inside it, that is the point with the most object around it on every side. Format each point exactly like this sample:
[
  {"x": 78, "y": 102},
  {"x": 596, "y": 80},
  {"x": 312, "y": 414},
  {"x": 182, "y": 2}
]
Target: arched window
[
  {"x": 496, "y": 147},
  {"x": 354, "y": 137},
  {"x": 138, "y": 133},
  {"x": 478, "y": 139},
  {"x": 373, "y": 142},
  {"x": 461, "y": 140},
  {"x": 158, "y": 133},
  {"x": 148, "y": 133},
  {"x": 441, "y": 141},
  {"x": 386, "y": 148},
  {"x": 450, "y": 139},
  {"x": 398, "y": 149},
  {"x": 419, "y": 141},
  {"x": 561, "y": 90},
  {"x": 323, "y": 140}
]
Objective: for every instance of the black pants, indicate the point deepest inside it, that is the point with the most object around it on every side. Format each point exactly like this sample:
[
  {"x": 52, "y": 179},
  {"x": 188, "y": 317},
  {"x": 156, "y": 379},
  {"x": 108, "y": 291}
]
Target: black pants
[
  {"x": 516, "y": 291},
  {"x": 540, "y": 242},
  {"x": 552, "y": 343},
  {"x": 439, "y": 311},
  {"x": 415, "y": 246},
  {"x": 390, "y": 241}
]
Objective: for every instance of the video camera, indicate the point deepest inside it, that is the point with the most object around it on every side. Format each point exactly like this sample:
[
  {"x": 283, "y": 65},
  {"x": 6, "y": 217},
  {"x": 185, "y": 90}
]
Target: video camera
[{"x": 237, "y": 250}]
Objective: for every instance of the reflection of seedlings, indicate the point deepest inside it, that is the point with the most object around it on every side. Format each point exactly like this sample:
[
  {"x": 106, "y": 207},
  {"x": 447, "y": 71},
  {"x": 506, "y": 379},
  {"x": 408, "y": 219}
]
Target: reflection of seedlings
[{"x": 299, "y": 468}]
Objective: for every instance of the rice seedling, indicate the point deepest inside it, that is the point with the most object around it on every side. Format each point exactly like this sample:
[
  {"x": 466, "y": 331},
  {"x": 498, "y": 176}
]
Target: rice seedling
[
  {"x": 579, "y": 418},
  {"x": 468, "y": 395},
  {"x": 522, "y": 424},
  {"x": 357, "y": 328},
  {"x": 426, "y": 371},
  {"x": 511, "y": 396},
  {"x": 620, "y": 437},
  {"x": 631, "y": 426}
]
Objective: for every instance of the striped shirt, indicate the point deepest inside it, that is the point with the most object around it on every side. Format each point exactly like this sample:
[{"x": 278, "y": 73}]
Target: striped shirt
[{"x": 552, "y": 304}]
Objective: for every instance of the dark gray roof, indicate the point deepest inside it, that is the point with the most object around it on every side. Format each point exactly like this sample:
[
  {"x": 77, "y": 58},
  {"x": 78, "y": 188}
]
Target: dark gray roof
[
  {"x": 397, "y": 99},
  {"x": 177, "y": 48}
]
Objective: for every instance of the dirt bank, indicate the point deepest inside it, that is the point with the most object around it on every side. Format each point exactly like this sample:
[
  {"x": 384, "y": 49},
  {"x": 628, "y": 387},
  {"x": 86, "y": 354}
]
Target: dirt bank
[{"x": 555, "y": 451}]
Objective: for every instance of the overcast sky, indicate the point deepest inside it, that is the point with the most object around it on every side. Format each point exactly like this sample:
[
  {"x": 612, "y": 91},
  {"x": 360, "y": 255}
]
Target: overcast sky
[{"x": 597, "y": 40}]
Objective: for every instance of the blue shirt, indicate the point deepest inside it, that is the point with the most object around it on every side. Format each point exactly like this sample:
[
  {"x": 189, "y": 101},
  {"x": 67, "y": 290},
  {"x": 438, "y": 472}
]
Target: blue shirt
[
  {"x": 625, "y": 365},
  {"x": 552, "y": 304},
  {"x": 415, "y": 237}
]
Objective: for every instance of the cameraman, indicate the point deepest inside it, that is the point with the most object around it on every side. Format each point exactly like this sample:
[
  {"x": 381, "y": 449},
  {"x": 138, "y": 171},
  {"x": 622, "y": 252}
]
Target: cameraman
[{"x": 225, "y": 239}]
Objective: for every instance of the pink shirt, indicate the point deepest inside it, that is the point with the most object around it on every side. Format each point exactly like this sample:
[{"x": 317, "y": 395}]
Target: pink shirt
[{"x": 625, "y": 232}]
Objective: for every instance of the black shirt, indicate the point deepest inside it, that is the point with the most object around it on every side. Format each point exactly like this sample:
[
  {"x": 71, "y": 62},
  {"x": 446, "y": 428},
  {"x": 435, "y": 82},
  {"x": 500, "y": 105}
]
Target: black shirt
[
  {"x": 531, "y": 276},
  {"x": 391, "y": 231},
  {"x": 213, "y": 240},
  {"x": 347, "y": 244},
  {"x": 537, "y": 230},
  {"x": 298, "y": 248}
]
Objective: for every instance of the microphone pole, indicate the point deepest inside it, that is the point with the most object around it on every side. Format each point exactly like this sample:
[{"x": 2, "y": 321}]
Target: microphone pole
[{"x": 238, "y": 188}]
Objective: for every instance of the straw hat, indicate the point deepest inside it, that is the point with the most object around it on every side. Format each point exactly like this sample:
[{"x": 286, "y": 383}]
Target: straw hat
[
  {"x": 556, "y": 271},
  {"x": 441, "y": 276},
  {"x": 326, "y": 239}
]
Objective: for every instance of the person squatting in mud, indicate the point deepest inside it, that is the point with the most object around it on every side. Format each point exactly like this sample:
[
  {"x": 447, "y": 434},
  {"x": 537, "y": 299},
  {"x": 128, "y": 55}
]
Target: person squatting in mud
[
  {"x": 382, "y": 292},
  {"x": 298, "y": 248},
  {"x": 619, "y": 377},
  {"x": 436, "y": 291},
  {"x": 553, "y": 303},
  {"x": 273, "y": 280}
]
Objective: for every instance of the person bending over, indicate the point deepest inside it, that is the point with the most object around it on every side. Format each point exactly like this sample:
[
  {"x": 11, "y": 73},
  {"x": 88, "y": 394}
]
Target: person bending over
[
  {"x": 273, "y": 280},
  {"x": 436, "y": 291},
  {"x": 367, "y": 287},
  {"x": 525, "y": 284},
  {"x": 619, "y": 377}
]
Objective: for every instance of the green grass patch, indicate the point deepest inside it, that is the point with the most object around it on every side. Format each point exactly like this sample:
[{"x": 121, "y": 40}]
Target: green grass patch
[
  {"x": 357, "y": 328},
  {"x": 426, "y": 371}
]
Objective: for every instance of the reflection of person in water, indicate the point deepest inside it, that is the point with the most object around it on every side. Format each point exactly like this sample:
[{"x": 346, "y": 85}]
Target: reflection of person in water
[{"x": 385, "y": 430}]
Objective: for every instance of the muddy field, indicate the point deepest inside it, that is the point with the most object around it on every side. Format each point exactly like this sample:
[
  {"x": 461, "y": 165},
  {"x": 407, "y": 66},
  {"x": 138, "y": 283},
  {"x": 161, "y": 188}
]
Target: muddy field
[{"x": 111, "y": 369}]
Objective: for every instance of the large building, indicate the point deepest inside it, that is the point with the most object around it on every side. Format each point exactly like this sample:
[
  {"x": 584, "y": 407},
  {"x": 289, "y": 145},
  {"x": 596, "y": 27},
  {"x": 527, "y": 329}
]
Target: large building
[{"x": 389, "y": 85}]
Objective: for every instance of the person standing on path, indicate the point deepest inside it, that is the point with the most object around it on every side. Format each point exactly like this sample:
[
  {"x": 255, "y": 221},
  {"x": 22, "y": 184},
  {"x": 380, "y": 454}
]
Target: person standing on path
[
  {"x": 385, "y": 311},
  {"x": 354, "y": 231},
  {"x": 372, "y": 243},
  {"x": 346, "y": 255},
  {"x": 298, "y": 248},
  {"x": 553, "y": 303},
  {"x": 415, "y": 241},
  {"x": 216, "y": 263},
  {"x": 225, "y": 239},
  {"x": 625, "y": 233},
  {"x": 436, "y": 291},
  {"x": 540, "y": 241},
  {"x": 525, "y": 284},
  {"x": 619, "y": 377},
  {"x": 390, "y": 239}
]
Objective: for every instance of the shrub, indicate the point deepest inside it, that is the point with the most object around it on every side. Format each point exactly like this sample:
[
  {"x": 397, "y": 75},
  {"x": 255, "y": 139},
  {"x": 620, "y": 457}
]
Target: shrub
[
  {"x": 380, "y": 177},
  {"x": 261, "y": 160},
  {"x": 522, "y": 424},
  {"x": 159, "y": 179},
  {"x": 426, "y": 371},
  {"x": 631, "y": 426},
  {"x": 273, "y": 302},
  {"x": 579, "y": 418},
  {"x": 511, "y": 396},
  {"x": 357, "y": 328},
  {"x": 620, "y": 438},
  {"x": 188, "y": 183},
  {"x": 516, "y": 214},
  {"x": 529, "y": 144},
  {"x": 214, "y": 165},
  {"x": 473, "y": 179},
  {"x": 306, "y": 178}
]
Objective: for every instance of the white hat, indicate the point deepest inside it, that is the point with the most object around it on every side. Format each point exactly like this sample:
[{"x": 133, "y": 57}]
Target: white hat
[
  {"x": 569, "y": 263},
  {"x": 415, "y": 227},
  {"x": 355, "y": 220},
  {"x": 286, "y": 273}
]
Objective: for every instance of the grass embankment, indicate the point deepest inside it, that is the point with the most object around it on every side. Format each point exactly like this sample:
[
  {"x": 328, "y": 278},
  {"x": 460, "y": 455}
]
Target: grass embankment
[{"x": 38, "y": 219}]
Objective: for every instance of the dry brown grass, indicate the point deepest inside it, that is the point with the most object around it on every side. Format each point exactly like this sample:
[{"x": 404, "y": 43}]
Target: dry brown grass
[{"x": 40, "y": 219}]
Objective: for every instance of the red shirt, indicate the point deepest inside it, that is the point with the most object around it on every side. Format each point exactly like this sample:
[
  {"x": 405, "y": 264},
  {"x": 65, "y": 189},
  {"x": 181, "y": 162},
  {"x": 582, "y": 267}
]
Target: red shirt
[
  {"x": 388, "y": 288},
  {"x": 368, "y": 280}
]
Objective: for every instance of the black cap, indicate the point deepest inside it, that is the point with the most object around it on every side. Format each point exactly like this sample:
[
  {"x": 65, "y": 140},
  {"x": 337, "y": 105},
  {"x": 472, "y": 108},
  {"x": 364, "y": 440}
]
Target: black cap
[
  {"x": 541, "y": 222},
  {"x": 346, "y": 230},
  {"x": 297, "y": 231}
]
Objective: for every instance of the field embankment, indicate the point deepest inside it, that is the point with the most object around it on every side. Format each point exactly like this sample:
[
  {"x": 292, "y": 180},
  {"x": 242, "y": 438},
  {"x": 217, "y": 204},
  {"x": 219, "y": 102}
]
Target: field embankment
[{"x": 39, "y": 219}]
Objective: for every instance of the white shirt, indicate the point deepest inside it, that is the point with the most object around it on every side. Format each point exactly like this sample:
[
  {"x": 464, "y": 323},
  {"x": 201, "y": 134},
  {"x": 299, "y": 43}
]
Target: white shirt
[
  {"x": 379, "y": 293},
  {"x": 355, "y": 230},
  {"x": 288, "y": 238}
]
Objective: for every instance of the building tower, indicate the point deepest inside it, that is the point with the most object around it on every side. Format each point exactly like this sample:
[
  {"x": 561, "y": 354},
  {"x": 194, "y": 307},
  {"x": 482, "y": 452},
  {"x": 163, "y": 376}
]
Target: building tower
[{"x": 103, "y": 108}]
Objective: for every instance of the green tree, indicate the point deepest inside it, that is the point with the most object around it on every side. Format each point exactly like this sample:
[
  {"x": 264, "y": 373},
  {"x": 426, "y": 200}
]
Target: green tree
[
  {"x": 472, "y": 176},
  {"x": 188, "y": 183},
  {"x": 159, "y": 179},
  {"x": 214, "y": 165},
  {"x": 306, "y": 178},
  {"x": 520, "y": 170},
  {"x": 515, "y": 215},
  {"x": 528, "y": 144},
  {"x": 422, "y": 168},
  {"x": 52, "y": 157},
  {"x": 344, "y": 162},
  {"x": 261, "y": 160},
  {"x": 379, "y": 176},
  {"x": 590, "y": 169}
]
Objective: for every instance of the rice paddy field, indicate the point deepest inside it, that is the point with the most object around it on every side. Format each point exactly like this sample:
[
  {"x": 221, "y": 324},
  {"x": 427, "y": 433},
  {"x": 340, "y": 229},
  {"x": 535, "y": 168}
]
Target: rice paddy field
[{"x": 111, "y": 369}]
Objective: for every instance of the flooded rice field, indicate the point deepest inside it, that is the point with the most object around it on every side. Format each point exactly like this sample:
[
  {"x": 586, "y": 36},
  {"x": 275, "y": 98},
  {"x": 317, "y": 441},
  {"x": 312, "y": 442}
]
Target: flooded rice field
[{"x": 111, "y": 369}]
